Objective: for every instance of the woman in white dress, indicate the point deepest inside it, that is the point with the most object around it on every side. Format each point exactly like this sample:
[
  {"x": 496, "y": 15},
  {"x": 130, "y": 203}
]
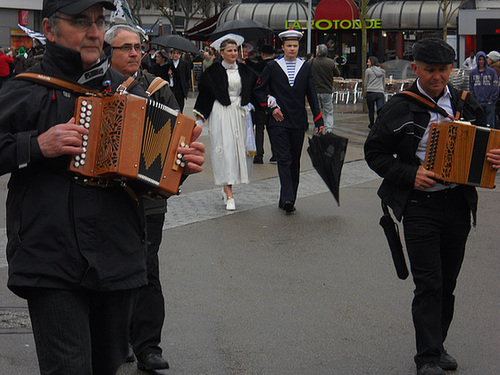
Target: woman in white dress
[{"x": 225, "y": 92}]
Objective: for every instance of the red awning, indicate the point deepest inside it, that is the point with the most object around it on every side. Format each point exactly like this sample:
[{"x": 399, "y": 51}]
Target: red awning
[
  {"x": 336, "y": 10},
  {"x": 203, "y": 30}
]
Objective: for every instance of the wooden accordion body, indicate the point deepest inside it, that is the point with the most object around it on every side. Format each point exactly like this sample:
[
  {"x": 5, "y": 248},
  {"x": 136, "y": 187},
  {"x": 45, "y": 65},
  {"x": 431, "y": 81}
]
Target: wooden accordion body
[
  {"x": 131, "y": 138},
  {"x": 457, "y": 152}
]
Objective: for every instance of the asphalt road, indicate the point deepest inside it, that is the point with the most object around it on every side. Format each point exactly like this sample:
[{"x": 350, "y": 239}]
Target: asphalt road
[{"x": 256, "y": 291}]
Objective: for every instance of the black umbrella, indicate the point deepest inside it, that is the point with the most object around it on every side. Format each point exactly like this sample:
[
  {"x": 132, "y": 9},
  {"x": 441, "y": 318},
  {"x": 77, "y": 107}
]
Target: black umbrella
[
  {"x": 391, "y": 231},
  {"x": 176, "y": 42},
  {"x": 327, "y": 152},
  {"x": 248, "y": 29}
]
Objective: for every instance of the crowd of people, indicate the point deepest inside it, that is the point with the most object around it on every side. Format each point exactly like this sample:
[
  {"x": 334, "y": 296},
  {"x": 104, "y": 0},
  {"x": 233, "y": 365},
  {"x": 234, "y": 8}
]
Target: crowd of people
[{"x": 93, "y": 291}]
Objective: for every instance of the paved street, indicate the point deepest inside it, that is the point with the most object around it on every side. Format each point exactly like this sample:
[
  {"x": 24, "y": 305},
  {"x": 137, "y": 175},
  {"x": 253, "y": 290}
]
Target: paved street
[{"x": 256, "y": 291}]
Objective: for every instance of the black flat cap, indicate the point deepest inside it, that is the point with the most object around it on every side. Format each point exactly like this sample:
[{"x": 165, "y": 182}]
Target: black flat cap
[
  {"x": 433, "y": 51},
  {"x": 71, "y": 6}
]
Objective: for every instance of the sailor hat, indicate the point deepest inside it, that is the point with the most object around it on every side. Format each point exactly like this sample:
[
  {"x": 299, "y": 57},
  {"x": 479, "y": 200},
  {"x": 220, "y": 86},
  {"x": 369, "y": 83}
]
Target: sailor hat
[{"x": 290, "y": 35}]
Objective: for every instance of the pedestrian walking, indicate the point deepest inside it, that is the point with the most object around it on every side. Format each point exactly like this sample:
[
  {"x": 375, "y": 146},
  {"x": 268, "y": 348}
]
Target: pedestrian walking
[
  {"x": 436, "y": 216},
  {"x": 374, "y": 87},
  {"x": 282, "y": 89},
  {"x": 324, "y": 69},
  {"x": 224, "y": 100},
  {"x": 5, "y": 62}
]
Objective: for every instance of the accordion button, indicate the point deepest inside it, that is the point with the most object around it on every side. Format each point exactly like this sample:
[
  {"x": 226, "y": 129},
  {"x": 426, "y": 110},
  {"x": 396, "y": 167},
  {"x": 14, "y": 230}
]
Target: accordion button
[
  {"x": 84, "y": 149},
  {"x": 179, "y": 156},
  {"x": 83, "y": 109},
  {"x": 82, "y": 121},
  {"x": 84, "y": 143},
  {"x": 87, "y": 119},
  {"x": 89, "y": 106},
  {"x": 77, "y": 157},
  {"x": 182, "y": 164},
  {"x": 82, "y": 162},
  {"x": 183, "y": 144},
  {"x": 84, "y": 102},
  {"x": 87, "y": 125},
  {"x": 178, "y": 162},
  {"x": 82, "y": 115},
  {"x": 76, "y": 164},
  {"x": 85, "y": 137}
]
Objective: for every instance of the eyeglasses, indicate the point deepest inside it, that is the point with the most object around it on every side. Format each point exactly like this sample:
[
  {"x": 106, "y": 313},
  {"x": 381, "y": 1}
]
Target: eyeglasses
[
  {"x": 127, "y": 48},
  {"x": 85, "y": 23}
]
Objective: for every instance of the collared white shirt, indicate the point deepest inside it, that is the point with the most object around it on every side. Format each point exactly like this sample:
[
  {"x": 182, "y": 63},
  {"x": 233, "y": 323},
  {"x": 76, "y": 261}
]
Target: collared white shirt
[{"x": 444, "y": 102}]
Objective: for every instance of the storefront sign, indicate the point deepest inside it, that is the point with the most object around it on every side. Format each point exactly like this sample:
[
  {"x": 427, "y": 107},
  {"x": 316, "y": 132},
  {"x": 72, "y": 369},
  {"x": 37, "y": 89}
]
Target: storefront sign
[
  {"x": 23, "y": 17},
  {"x": 333, "y": 24}
]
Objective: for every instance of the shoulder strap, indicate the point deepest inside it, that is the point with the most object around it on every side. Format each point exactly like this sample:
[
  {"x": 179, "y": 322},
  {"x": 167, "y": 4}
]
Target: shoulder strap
[
  {"x": 155, "y": 85},
  {"x": 126, "y": 85},
  {"x": 423, "y": 102},
  {"x": 56, "y": 82},
  {"x": 461, "y": 102}
]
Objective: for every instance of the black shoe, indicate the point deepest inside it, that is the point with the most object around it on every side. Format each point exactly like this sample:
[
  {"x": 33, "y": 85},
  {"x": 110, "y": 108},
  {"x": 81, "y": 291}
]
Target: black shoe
[
  {"x": 152, "y": 361},
  {"x": 288, "y": 207},
  {"x": 258, "y": 160},
  {"x": 273, "y": 159},
  {"x": 447, "y": 362},
  {"x": 130, "y": 354},
  {"x": 430, "y": 369}
]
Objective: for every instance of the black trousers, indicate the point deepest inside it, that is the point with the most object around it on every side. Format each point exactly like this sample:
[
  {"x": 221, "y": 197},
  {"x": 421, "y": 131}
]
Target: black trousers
[
  {"x": 261, "y": 121},
  {"x": 179, "y": 97},
  {"x": 287, "y": 145},
  {"x": 149, "y": 308},
  {"x": 80, "y": 332},
  {"x": 436, "y": 226}
]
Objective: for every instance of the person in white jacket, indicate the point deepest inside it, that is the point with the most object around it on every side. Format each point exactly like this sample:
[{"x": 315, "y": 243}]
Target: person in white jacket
[{"x": 374, "y": 87}]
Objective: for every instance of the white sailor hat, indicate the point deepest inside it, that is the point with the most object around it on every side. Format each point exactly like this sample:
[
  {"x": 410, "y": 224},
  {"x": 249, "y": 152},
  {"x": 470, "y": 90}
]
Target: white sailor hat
[{"x": 290, "y": 35}]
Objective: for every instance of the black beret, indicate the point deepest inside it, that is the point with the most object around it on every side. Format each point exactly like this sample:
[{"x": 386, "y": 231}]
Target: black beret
[{"x": 433, "y": 51}]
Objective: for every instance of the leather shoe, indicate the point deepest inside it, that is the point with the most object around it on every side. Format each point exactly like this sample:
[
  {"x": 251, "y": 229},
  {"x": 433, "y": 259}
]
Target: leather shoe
[
  {"x": 430, "y": 369},
  {"x": 447, "y": 362},
  {"x": 152, "y": 361},
  {"x": 130, "y": 354},
  {"x": 288, "y": 206},
  {"x": 258, "y": 160}
]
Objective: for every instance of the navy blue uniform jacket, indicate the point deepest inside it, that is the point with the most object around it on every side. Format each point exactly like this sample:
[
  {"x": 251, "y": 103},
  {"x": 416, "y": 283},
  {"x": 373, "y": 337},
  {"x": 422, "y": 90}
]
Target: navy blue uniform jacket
[{"x": 291, "y": 99}]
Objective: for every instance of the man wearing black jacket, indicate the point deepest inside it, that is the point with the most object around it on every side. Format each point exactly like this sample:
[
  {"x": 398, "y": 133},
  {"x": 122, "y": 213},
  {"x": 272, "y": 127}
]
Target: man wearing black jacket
[
  {"x": 281, "y": 90},
  {"x": 76, "y": 251},
  {"x": 436, "y": 217}
]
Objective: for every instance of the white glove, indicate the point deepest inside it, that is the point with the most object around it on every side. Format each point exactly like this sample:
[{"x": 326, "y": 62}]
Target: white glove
[
  {"x": 249, "y": 107},
  {"x": 271, "y": 102}
]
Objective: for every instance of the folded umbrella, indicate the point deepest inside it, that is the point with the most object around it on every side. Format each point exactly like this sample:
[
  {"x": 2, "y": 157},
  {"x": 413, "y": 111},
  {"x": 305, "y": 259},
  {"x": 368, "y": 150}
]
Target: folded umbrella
[
  {"x": 176, "y": 42},
  {"x": 327, "y": 152},
  {"x": 391, "y": 231}
]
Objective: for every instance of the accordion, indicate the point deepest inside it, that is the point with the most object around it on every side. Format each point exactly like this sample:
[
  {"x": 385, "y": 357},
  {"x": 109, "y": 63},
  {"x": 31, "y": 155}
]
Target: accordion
[
  {"x": 457, "y": 152},
  {"x": 131, "y": 137}
]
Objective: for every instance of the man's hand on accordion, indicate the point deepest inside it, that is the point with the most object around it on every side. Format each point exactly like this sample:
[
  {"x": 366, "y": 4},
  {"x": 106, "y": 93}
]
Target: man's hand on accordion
[
  {"x": 194, "y": 155},
  {"x": 62, "y": 139},
  {"x": 493, "y": 156},
  {"x": 424, "y": 178}
]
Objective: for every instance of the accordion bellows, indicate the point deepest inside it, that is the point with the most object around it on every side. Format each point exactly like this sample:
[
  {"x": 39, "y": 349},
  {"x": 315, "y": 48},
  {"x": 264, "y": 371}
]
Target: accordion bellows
[
  {"x": 131, "y": 137},
  {"x": 457, "y": 152}
]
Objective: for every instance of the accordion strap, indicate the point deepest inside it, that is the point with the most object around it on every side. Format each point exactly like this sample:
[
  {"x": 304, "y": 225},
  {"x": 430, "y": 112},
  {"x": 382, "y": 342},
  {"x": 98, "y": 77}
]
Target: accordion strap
[
  {"x": 155, "y": 85},
  {"x": 423, "y": 102},
  {"x": 56, "y": 82}
]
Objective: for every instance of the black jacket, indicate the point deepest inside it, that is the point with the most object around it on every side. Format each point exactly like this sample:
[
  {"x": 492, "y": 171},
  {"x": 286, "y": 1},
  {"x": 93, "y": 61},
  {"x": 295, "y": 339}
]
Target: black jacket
[
  {"x": 214, "y": 86},
  {"x": 62, "y": 234},
  {"x": 393, "y": 140},
  {"x": 274, "y": 81}
]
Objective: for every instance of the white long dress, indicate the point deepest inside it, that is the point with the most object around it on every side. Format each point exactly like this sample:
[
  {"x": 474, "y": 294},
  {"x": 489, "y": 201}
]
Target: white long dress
[{"x": 227, "y": 128}]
